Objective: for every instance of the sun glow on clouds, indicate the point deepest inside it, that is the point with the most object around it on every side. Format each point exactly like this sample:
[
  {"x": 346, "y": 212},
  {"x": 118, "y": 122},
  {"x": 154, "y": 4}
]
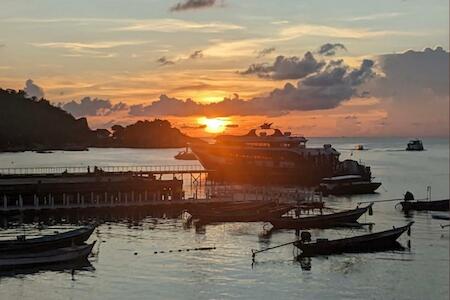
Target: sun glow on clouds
[{"x": 214, "y": 125}]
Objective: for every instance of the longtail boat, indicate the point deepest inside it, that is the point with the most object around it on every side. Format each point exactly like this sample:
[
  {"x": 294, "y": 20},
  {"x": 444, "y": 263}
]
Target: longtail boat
[
  {"x": 247, "y": 215},
  {"x": 321, "y": 221},
  {"x": 379, "y": 241},
  {"x": 59, "y": 240},
  {"x": 434, "y": 205},
  {"x": 55, "y": 256}
]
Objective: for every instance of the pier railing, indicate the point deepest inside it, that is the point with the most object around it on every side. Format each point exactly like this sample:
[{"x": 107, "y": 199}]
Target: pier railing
[{"x": 111, "y": 169}]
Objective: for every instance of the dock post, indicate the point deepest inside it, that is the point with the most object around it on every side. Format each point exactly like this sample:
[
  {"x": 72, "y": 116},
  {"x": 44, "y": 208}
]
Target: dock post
[
  {"x": 5, "y": 202},
  {"x": 146, "y": 196},
  {"x": 132, "y": 197},
  {"x": 78, "y": 198},
  {"x": 20, "y": 201},
  {"x": 106, "y": 198},
  {"x": 119, "y": 197},
  {"x": 126, "y": 198},
  {"x": 64, "y": 199},
  {"x": 140, "y": 197},
  {"x": 92, "y": 198},
  {"x": 82, "y": 200}
]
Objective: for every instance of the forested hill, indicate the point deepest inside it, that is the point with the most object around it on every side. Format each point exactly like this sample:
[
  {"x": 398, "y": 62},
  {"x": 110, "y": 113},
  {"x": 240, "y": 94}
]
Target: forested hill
[{"x": 35, "y": 124}]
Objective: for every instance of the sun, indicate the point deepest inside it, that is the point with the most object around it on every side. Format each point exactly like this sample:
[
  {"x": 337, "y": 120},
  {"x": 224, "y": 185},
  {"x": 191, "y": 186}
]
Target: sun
[{"x": 214, "y": 125}]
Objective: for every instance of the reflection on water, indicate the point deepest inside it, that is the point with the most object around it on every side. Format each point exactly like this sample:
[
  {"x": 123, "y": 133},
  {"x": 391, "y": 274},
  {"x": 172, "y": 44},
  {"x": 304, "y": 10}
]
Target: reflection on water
[
  {"x": 126, "y": 266},
  {"x": 73, "y": 268}
]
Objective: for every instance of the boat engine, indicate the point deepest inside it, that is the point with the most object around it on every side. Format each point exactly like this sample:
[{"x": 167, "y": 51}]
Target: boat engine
[{"x": 408, "y": 196}]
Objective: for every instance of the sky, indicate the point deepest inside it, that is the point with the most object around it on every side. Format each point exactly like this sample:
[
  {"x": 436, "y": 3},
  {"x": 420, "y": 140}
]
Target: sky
[{"x": 317, "y": 68}]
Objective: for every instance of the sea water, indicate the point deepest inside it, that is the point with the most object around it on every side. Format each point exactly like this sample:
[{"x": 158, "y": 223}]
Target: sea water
[{"x": 125, "y": 265}]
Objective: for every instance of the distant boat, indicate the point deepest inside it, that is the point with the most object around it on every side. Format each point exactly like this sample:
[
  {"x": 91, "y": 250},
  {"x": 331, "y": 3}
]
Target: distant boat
[
  {"x": 185, "y": 155},
  {"x": 348, "y": 185},
  {"x": 65, "y": 239},
  {"x": 379, "y": 241},
  {"x": 18, "y": 260},
  {"x": 359, "y": 147},
  {"x": 414, "y": 145}
]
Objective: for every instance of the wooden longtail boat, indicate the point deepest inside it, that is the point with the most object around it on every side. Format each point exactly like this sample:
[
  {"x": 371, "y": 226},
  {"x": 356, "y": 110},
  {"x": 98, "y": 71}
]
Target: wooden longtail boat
[
  {"x": 247, "y": 215},
  {"x": 59, "y": 240},
  {"x": 379, "y": 241},
  {"x": 434, "y": 205},
  {"x": 11, "y": 261},
  {"x": 321, "y": 221}
]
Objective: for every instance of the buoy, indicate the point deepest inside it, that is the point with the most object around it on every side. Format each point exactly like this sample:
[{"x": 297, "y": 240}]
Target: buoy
[{"x": 135, "y": 253}]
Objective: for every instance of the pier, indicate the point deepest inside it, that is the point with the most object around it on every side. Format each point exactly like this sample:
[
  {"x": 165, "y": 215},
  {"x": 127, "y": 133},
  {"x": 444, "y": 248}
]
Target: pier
[{"x": 63, "y": 188}]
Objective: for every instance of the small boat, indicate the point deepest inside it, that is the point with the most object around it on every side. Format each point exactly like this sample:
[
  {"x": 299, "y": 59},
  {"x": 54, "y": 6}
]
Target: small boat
[
  {"x": 185, "y": 155},
  {"x": 65, "y": 239},
  {"x": 359, "y": 147},
  {"x": 321, "y": 221},
  {"x": 433, "y": 205},
  {"x": 379, "y": 241},
  {"x": 347, "y": 185},
  {"x": 12, "y": 261},
  {"x": 414, "y": 145},
  {"x": 248, "y": 215}
]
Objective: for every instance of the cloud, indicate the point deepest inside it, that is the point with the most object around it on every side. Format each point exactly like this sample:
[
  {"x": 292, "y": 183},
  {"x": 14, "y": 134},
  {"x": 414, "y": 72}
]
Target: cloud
[
  {"x": 336, "y": 32},
  {"x": 163, "y": 61},
  {"x": 33, "y": 90},
  {"x": 95, "y": 48},
  {"x": 193, "y": 4},
  {"x": 413, "y": 75},
  {"x": 265, "y": 51},
  {"x": 177, "y": 25},
  {"x": 196, "y": 54},
  {"x": 286, "y": 67},
  {"x": 325, "y": 88},
  {"x": 375, "y": 16},
  {"x": 329, "y": 49},
  {"x": 93, "y": 107}
]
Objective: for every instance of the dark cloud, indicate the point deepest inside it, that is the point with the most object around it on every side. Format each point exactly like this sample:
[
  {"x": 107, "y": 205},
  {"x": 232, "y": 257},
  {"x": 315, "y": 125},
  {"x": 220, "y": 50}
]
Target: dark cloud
[
  {"x": 325, "y": 89},
  {"x": 33, "y": 90},
  {"x": 202, "y": 126},
  {"x": 193, "y": 4},
  {"x": 265, "y": 51},
  {"x": 93, "y": 107},
  {"x": 413, "y": 75},
  {"x": 196, "y": 54},
  {"x": 286, "y": 67},
  {"x": 163, "y": 61},
  {"x": 329, "y": 49},
  {"x": 232, "y": 125}
]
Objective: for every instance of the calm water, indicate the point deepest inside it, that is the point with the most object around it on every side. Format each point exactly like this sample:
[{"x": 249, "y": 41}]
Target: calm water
[{"x": 125, "y": 266}]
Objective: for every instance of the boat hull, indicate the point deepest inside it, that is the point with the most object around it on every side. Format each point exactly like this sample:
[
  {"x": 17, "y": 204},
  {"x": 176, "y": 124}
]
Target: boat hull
[
  {"x": 360, "y": 188},
  {"x": 365, "y": 243},
  {"x": 249, "y": 165},
  {"x": 45, "y": 257},
  {"x": 249, "y": 215},
  {"x": 437, "y": 205},
  {"x": 320, "y": 221}
]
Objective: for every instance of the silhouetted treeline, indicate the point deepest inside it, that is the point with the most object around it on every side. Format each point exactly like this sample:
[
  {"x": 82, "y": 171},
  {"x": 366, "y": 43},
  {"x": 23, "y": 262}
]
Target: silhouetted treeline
[
  {"x": 35, "y": 124},
  {"x": 148, "y": 134}
]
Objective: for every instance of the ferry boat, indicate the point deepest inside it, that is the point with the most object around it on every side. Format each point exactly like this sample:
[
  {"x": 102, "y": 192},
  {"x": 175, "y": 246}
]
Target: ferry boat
[
  {"x": 267, "y": 155},
  {"x": 414, "y": 145}
]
